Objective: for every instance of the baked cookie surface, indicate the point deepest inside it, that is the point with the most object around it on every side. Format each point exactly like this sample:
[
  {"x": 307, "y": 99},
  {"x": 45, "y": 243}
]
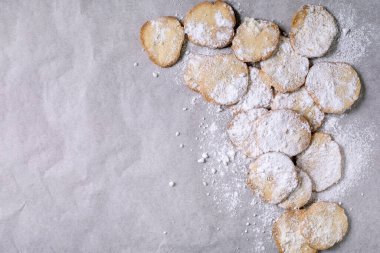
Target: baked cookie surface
[
  {"x": 313, "y": 30},
  {"x": 300, "y": 101},
  {"x": 334, "y": 86},
  {"x": 324, "y": 225},
  {"x": 322, "y": 161},
  {"x": 301, "y": 195},
  {"x": 283, "y": 131},
  {"x": 241, "y": 127},
  {"x": 221, "y": 79},
  {"x": 259, "y": 94},
  {"x": 273, "y": 177},
  {"x": 210, "y": 24},
  {"x": 255, "y": 40},
  {"x": 286, "y": 70},
  {"x": 162, "y": 39},
  {"x": 287, "y": 233}
]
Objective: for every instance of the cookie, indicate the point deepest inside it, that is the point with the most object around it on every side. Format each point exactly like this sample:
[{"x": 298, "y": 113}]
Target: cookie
[
  {"x": 301, "y": 194},
  {"x": 286, "y": 233},
  {"x": 241, "y": 126},
  {"x": 162, "y": 39},
  {"x": 334, "y": 86},
  {"x": 301, "y": 102},
  {"x": 286, "y": 70},
  {"x": 255, "y": 40},
  {"x": 259, "y": 94},
  {"x": 283, "y": 131},
  {"x": 273, "y": 177},
  {"x": 221, "y": 79},
  {"x": 210, "y": 24},
  {"x": 322, "y": 161},
  {"x": 313, "y": 30},
  {"x": 324, "y": 225},
  {"x": 194, "y": 71}
]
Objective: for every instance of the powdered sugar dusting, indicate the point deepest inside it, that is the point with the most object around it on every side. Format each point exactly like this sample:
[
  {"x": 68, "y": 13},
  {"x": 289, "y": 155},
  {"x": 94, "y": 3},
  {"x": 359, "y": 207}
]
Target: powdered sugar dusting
[
  {"x": 355, "y": 38},
  {"x": 314, "y": 31},
  {"x": 322, "y": 160},
  {"x": 226, "y": 173},
  {"x": 210, "y": 24},
  {"x": 356, "y": 140},
  {"x": 273, "y": 176},
  {"x": 334, "y": 86},
  {"x": 222, "y": 21},
  {"x": 259, "y": 93},
  {"x": 283, "y": 131},
  {"x": 230, "y": 90},
  {"x": 286, "y": 68},
  {"x": 241, "y": 126}
]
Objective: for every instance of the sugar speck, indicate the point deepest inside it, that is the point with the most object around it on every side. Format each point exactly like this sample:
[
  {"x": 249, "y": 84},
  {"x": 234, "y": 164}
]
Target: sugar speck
[
  {"x": 205, "y": 155},
  {"x": 171, "y": 184},
  {"x": 201, "y": 160}
]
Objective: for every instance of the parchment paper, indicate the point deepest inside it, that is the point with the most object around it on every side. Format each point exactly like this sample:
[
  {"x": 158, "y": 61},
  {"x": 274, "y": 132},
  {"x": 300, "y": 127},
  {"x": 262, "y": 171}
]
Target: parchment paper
[{"x": 87, "y": 144}]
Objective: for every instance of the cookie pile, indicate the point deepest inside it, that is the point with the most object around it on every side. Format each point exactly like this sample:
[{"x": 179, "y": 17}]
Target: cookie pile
[{"x": 278, "y": 105}]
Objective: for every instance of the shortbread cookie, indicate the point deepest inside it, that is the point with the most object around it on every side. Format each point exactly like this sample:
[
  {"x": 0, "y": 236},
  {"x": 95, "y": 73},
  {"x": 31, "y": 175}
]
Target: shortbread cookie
[
  {"x": 287, "y": 233},
  {"x": 241, "y": 126},
  {"x": 324, "y": 225},
  {"x": 283, "y": 131},
  {"x": 259, "y": 94},
  {"x": 285, "y": 70},
  {"x": 273, "y": 177},
  {"x": 301, "y": 194},
  {"x": 221, "y": 79},
  {"x": 334, "y": 86},
  {"x": 255, "y": 40},
  {"x": 301, "y": 102},
  {"x": 210, "y": 24},
  {"x": 194, "y": 71},
  {"x": 313, "y": 30},
  {"x": 322, "y": 161},
  {"x": 162, "y": 39}
]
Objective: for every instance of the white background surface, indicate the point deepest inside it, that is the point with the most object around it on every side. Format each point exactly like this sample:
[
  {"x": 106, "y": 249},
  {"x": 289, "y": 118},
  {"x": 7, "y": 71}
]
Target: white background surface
[{"x": 87, "y": 140}]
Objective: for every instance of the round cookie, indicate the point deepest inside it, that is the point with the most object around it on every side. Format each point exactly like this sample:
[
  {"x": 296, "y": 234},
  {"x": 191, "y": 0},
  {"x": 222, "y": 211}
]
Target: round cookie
[
  {"x": 273, "y": 177},
  {"x": 162, "y": 39},
  {"x": 287, "y": 233},
  {"x": 322, "y": 161},
  {"x": 283, "y": 131},
  {"x": 221, "y": 79},
  {"x": 324, "y": 225},
  {"x": 286, "y": 70},
  {"x": 210, "y": 24},
  {"x": 334, "y": 86},
  {"x": 241, "y": 126},
  {"x": 313, "y": 30},
  {"x": 259, "y": 94},
  {"x": 194, "y": 71},
  {"x": 301, "y": 102},
  {"x": 255, "y": 40},
  {"x": 301, "y": 194}
]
